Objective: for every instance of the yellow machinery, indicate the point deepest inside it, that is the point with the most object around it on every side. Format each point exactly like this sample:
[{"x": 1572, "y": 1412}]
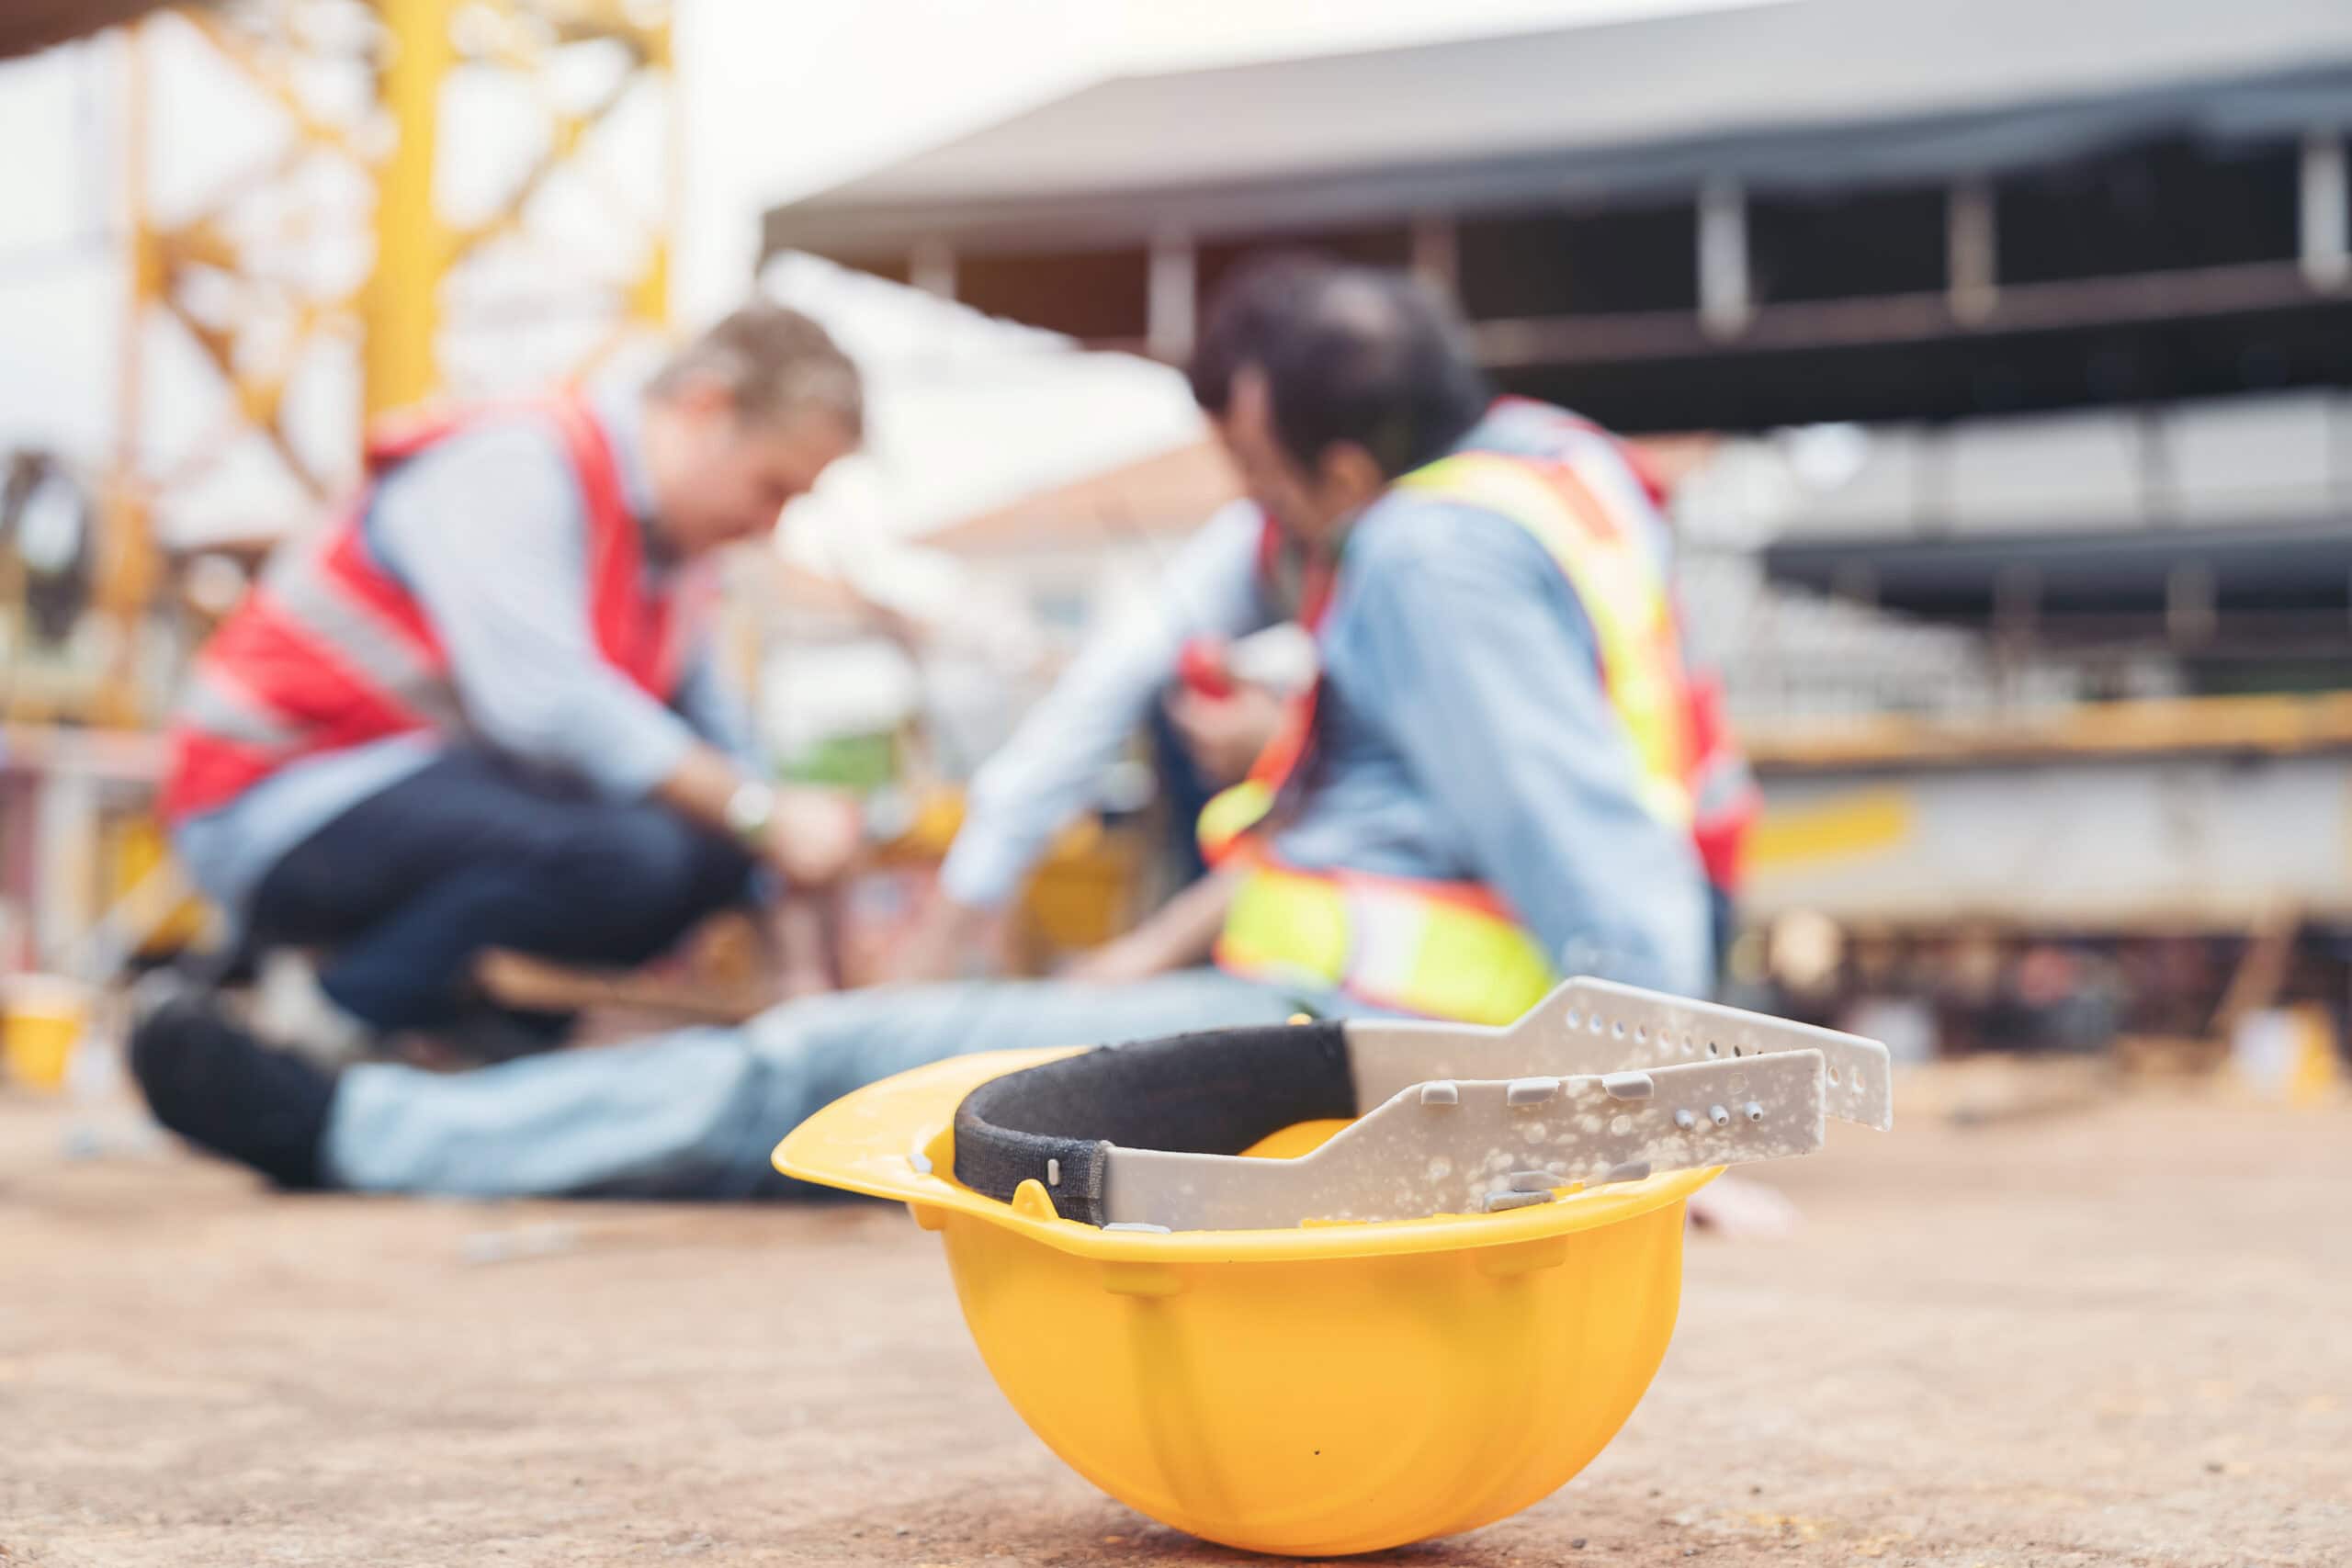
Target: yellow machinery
[{"x": 1328, "y": 1288}]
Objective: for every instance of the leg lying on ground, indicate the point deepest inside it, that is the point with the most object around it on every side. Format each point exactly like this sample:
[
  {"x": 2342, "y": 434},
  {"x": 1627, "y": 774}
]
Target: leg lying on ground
[{"x": 693, "y": 1114}]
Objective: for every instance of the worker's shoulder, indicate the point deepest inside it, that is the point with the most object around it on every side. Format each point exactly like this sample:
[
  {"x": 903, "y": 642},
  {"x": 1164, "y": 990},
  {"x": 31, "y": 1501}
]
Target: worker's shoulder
[
  {"x": 519, "y": 438},
  {"x": 495, "y": 499},
  {"x": 1236, "y": 529},
  {"x": 1409, "y": 530},
  {"x": 503, "y": 463}
]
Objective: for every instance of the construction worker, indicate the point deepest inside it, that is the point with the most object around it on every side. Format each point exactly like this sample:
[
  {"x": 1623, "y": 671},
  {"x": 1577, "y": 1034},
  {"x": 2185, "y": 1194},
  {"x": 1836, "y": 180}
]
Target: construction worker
[
  {"x": 1235, "y": 576},
  {"x": 1489, "y": 785},
  {"x": 1239, "y": 573},
  {"x": 478, "y": 708}
]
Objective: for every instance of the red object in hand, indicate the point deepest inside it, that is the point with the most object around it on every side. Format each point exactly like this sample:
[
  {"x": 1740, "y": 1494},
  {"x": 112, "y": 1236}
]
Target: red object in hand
[{"x": 1201, "y": 666}]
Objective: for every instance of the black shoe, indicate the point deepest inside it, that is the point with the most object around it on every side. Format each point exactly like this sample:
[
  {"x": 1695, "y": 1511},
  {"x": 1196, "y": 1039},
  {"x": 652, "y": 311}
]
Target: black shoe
[{"x": 225, "y": 1092}]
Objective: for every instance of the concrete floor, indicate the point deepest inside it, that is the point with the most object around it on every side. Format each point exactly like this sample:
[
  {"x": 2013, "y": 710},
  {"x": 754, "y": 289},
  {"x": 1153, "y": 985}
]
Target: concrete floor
[{"x": 2114, "y": 1335}]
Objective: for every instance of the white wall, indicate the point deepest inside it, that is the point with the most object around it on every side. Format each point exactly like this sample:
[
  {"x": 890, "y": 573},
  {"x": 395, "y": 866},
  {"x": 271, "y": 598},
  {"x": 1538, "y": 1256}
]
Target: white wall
[
  {"x": 61, "y": 277},
  {"x": 2258, "y": 457}
]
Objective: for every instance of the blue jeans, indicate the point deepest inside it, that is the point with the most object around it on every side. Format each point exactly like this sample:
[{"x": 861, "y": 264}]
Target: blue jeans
[
  {"x": 696, "y": 1114},
  {"x": 407, "y": 887}
]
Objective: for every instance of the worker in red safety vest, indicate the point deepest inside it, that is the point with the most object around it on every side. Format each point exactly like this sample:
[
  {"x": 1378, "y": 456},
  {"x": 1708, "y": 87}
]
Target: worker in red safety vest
[{"x": 477, "y": 707}]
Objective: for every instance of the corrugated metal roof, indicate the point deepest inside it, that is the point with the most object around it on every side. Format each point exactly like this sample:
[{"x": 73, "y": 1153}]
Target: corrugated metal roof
[{"x": 1771, "y": 92}]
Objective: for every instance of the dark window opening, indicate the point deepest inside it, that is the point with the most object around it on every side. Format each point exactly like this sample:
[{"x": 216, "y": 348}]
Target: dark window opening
[
  {"x": 1088, "y": 294},
  {"x": 1595, "y": 264},
  {"x": 1959, "y": 378},
  {"x": 2159, "y": 207},
  {"x": 1386, "y": 246},
  {"x": 1847, "y": 245}
]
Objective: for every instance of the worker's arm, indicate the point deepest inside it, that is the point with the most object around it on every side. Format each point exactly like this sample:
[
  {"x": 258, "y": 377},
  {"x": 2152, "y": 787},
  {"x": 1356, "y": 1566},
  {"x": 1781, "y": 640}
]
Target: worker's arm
[
  {"x": 709, "y": 703},
  {"x": 811, "y": 836},
  {"x": 490, "y": 534},
  {"x": 1178, "y": 935},
  {"x": 815, "y": 831},
  {"x": 1487, "y": 684},
  {"x": 1042, "y": 776}
]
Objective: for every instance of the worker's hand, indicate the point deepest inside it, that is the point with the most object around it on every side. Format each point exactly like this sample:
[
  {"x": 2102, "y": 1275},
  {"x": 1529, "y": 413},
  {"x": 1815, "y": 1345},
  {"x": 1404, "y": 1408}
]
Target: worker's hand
[
  {"x": 1178, "y": 934},
  {"x": 943, "y": 938},
  {"x": 1120, "y": 962},
  {"x": 1225, "y": 735},
  {"x": 814, "y": 836},
  {"x": 805, "y": 932}
]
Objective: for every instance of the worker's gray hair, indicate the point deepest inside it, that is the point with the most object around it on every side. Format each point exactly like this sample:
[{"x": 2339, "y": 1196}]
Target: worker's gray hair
[{"x": 773, "y": 361}]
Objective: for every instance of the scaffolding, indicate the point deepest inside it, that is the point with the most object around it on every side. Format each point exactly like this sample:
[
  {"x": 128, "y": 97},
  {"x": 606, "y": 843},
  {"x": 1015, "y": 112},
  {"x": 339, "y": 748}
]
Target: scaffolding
[{"x": 427, "y": 199}]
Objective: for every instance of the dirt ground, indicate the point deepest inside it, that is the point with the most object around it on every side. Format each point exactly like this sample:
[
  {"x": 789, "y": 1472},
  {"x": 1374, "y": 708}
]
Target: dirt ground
[{"x": 2113, "y": 1335}]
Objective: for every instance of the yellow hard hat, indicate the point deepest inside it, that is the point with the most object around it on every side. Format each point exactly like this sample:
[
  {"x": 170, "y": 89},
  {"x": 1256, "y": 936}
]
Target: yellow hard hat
[{"x": 1238, "y": 1303}]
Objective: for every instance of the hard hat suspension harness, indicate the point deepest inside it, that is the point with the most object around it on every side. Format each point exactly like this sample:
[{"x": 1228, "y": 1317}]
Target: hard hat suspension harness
[{"x": 1599, "y": 1084}]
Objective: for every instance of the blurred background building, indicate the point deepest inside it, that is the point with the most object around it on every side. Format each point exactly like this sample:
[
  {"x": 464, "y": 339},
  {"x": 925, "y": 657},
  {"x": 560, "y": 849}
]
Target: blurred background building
[
  {"x": 2021, "y": 338},
  {"x": 2002, "y": 355}
]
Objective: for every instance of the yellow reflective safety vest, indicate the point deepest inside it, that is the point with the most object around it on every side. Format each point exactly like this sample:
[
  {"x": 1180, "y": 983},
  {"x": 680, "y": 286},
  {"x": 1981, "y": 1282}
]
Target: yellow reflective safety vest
[{"x": 1454, "y": 950}]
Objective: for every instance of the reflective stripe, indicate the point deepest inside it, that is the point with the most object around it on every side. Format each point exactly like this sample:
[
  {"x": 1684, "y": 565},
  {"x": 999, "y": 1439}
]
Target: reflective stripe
[
  {"x": 217, "y": 703},
  {"x": 1230, "y": 813},
  {"x": 303, "y": 590},
  {"x": 1420, "y": 947},
  {"x": 1621, "y": 590},
  {"x": 306, "y": 593},
  {"x": 1285, "y": 926},
  {"x": 1386, "y": 933}
]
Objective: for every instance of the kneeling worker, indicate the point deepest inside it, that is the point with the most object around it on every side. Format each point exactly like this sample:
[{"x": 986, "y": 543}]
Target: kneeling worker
[
  {"x": 478, "y": 708},
  {"x": 1245, "y": 571}
]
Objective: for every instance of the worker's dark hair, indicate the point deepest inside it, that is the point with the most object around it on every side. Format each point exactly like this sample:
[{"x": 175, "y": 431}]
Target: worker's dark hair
[
  {"x": 1253, "y": 301},
  {"x": 772, "y": 361},
  {"x": 1374, "y": 358}
]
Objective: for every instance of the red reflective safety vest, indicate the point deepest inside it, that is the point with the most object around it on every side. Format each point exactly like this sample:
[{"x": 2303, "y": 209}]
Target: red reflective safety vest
[{"x": 330, "y": 651}]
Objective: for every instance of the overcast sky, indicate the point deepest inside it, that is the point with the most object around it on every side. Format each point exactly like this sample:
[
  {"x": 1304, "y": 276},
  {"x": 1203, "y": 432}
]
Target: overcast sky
[{"x": 780, "y": 99}]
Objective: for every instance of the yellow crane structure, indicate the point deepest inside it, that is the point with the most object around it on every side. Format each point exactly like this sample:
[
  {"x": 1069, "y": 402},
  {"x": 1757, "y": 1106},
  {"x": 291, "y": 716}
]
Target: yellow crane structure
[
  {"x": 330, "y": 208},
  {"x": 338, "y": 235}
]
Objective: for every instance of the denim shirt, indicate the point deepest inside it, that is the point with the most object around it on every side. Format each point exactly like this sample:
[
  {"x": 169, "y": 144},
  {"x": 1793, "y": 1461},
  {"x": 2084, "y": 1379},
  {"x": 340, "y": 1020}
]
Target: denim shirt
[{"x": 1462, "y": 730}]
